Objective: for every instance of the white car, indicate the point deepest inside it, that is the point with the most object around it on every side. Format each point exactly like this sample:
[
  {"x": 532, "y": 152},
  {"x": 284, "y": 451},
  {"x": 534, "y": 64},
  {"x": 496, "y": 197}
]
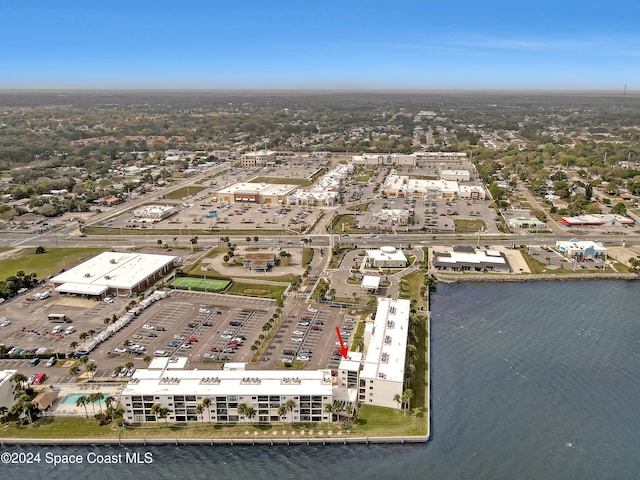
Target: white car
[
  {"x": 298, "y": 332},
  {"x": 185, "y": 346},
  {"x": 121, "y": 350},
  {"x": 56, "y": 329},
  {"x": 69, "y": 330},
  {"x": 303, "y": 358},
  {"x": 108, "y": 300},
  {"x": 296, "y": 339},
  {"x": 312, "y": 310},
  {"x": 226, "y": 335},
  {"x": 148, "y": 327},
  {"x": 5, "y": 323}
]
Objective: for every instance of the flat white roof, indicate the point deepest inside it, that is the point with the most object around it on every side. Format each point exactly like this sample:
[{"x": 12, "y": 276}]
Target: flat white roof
[
  {"x": 82, "y": 288},
  {"x": 385, "y": 356},
  {"x": 352, "y": 362},
  {"x": 489, "y": 256},
  {"x": 112, "y": 270},
  {"x": 370, "y": 281},
  {"x": 258, "y": 189},
  {"x": 386, "y": 253},
  {"x": 229, "y": 382}
]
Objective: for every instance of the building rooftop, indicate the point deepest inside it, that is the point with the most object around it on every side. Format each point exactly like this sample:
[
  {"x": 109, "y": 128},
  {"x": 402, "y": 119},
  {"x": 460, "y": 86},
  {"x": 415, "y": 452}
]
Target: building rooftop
[
  {"x": 385, "y": 355},
  {"x": 229, "y": 382},
  {"x": 111, "y": 270}
]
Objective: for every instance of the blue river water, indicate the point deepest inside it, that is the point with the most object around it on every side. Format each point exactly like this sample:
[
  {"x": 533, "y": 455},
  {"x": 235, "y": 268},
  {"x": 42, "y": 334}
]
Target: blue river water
[{"x": 529, "y": 381}]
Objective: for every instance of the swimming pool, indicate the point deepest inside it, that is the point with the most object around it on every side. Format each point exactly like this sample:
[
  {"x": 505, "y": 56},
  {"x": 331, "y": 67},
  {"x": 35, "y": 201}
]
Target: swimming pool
[{"x": 72, "y": 398}]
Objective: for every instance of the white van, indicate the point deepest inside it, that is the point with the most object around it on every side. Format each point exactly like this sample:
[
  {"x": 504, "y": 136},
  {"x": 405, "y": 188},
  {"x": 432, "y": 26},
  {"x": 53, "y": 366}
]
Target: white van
[
  {"x": 69, "y": 330},
  {"x": 160, "y": 353}
]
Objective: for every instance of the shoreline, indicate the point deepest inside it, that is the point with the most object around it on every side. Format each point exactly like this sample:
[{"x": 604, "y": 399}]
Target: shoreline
[
  {"x": 530, "y": 277},
  {"x": 68, "y": 442}
]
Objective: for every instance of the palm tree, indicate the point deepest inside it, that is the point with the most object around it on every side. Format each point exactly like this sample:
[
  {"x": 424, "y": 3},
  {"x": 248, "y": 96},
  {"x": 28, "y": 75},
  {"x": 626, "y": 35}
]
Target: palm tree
[
  {"x": 91, "y": 368},
  {"x": 242, "y": 409},
  {"x": 19, "y": 380},
  {"x": 99, "y": 396},
  {"x": 164, "y": 413},
  {"x": 91, "y": 398},
  {"x": 199, "y": 410},
  {"x": 82, "y": 401},
  {"x": 206, "y": 403},
  {"x": 74, "y": 371},
  {"x": 398, "y": 399},
  {"x": 289, "y": 407},
  {"x": 249, "y": 413},
  {"x": 328, "y": 408},
  {"x": 83, "y": 336},
  {"x": 4, "y": 413},
  {"x": 73, "y": 345},
  {"x": 91, "y": 333},
  {"x": 282, "y": 411},
  {"x": 407, "y": 395},
  {"x": 23, "y": 407},
  {"x": 129, "y": 365}
]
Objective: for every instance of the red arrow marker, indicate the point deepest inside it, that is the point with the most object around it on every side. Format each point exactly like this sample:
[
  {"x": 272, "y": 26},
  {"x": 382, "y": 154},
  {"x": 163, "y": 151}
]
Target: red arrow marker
[{"x": 343, "y": 350}]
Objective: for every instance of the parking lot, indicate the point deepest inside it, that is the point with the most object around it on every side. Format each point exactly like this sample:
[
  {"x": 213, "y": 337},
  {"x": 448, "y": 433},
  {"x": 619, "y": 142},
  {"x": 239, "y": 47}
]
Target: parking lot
[{"x": 307, "y": 338}]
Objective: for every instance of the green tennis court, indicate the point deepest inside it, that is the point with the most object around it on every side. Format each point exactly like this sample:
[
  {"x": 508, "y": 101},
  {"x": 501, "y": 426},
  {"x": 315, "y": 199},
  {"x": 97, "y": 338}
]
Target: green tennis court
[{"x": 200, "y": 284}]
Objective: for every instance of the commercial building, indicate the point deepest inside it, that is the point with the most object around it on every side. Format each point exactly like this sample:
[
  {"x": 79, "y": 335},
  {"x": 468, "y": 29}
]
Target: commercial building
[
  {"x": 181, "y": 391},
  {"x": 392, "y": 216},
  {"x": 404, "y": 186},
  {"x": 155, "y": 212},
  {"x": 259, "y": 261},
  {"x": 383, "y": 366},
  {"x": 255, "y": 193},
  {"x": 470, "y": 259},
  {"x": 7, "y": 386},
  {"x": 114, "y": 273},
  {"x": 376, "y": 160},
  {"x": 597, "y": 220},
  {"x": 581, "y": 249},
  {"x": 257, "y": 159},
  {"x": 324, "y": 192},
  {"x": 385, "y": 257},
  {"x": 455, "y": 175},
  {"x": 526, "y": 222}
]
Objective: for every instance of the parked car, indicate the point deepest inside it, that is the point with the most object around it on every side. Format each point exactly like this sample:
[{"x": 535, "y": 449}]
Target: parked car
[
  {"x": 173, "y": 344},
  {"x": 148, "y": 327},
  {"x": 51, "y": 362}
]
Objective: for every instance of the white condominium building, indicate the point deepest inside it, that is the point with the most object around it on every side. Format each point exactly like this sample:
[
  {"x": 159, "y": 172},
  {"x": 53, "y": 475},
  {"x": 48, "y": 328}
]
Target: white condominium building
[{"x": 382, "y": 374}]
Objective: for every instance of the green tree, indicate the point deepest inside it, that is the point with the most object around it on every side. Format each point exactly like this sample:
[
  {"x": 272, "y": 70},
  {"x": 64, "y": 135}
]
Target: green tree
[
  {"x": 619, "y": 209},
  {"x": 206, "y": 404},
  {"x": 82, "y": 401}
]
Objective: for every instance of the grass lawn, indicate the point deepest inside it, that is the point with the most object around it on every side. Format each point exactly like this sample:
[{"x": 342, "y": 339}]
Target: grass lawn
[
  {"x": 468, "y": 226},
  {"x": 383, "y": 421},
  {"x": 256, "y": 290},
  {"x": 307, "y": 256},
  {"x": 346, "y": 220},
  {"x": 183, "y": 192},
  {"x": 303, "y": 182},
  {"x": 411, "y": 286},
  {"x": 79, "y": 427},
  {"x": 361, "y": 207},
  {"x": 47, "y": 263}
]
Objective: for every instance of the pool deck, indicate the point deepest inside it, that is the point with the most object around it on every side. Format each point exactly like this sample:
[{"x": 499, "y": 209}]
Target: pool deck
[{"x": 58, "y": 408}]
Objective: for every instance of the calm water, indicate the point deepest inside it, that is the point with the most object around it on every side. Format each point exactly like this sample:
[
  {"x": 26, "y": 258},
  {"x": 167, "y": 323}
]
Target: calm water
[{"x": 530, "y": 381}]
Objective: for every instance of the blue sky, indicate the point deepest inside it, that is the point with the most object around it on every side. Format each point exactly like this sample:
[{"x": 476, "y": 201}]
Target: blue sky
[{"x": 397, "y": 44}]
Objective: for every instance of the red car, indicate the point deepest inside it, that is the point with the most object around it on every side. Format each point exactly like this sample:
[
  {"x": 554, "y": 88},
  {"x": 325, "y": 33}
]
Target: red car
[
  {"x": 41, "y": 377},
  {"x": 192, "y": 339}
]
